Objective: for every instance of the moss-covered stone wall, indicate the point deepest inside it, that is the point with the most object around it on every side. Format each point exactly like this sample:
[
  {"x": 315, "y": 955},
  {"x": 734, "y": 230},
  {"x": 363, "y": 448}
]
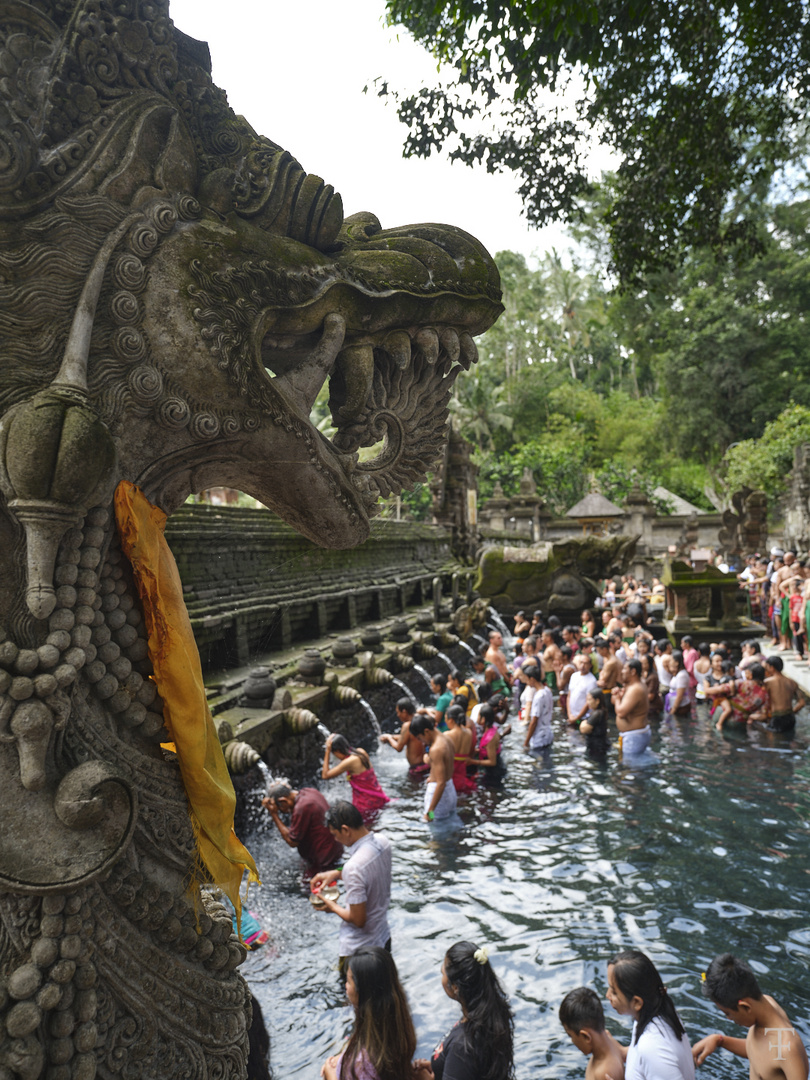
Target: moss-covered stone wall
[{"x": 253, "y": 584}]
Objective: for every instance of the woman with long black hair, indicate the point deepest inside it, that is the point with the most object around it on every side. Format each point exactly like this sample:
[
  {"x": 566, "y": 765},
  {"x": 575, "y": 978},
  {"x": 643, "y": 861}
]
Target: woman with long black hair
[
  {"x": 479, "y": 1045},
  {"x": 659, "y": 1048},
  {"x": 383, "y": 1040},
  {"x": 367, "y": 795}
]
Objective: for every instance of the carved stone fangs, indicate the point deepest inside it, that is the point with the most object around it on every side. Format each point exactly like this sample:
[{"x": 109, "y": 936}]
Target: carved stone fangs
[{"x": 174, "y": 291}]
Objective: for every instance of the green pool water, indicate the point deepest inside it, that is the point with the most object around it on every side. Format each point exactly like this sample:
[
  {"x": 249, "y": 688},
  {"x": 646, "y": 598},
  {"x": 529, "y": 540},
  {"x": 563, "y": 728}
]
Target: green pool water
[{"x": 700, "y": 852}]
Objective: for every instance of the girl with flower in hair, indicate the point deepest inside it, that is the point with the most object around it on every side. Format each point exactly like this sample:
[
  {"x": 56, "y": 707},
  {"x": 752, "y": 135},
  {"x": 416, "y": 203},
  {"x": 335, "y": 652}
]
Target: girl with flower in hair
[
  {"x": 479, "y": 1045},
  {"x": 383, "y": 1039}
]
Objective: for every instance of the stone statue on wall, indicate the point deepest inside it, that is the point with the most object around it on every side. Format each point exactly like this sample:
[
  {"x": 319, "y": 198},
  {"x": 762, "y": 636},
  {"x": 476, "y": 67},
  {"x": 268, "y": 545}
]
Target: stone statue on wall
[
  {"x": 745, "y": 528},
  {"x": 174, "y": 292}
]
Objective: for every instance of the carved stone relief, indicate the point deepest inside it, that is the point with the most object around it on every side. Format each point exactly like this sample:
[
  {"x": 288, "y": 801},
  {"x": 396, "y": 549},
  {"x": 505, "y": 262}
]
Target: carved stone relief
[{"x": 174, "y": 292}]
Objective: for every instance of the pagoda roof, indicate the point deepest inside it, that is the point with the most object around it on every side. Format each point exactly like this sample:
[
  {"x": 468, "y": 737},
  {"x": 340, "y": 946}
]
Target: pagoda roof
[
  {"x": 594, "y": 505},
  {"x": 679, "y": 505}
]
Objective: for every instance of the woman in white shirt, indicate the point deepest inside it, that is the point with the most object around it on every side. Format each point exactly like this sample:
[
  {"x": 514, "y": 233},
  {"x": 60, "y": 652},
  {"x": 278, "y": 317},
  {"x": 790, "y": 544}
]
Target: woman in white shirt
[
  {"x": 677, "y": 700},
  {"x": 659, "y": 1048}
]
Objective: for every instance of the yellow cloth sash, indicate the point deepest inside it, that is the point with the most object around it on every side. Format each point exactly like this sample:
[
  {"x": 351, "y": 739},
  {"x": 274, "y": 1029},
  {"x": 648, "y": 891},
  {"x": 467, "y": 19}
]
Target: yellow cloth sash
[{"x": 178, "y": 674}]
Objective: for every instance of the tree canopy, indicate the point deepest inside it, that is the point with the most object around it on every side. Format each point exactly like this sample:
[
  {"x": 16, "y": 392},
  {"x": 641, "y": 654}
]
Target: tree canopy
[
  {"x": 702, "y": 99},
  {"x": 697, "y": 380}
]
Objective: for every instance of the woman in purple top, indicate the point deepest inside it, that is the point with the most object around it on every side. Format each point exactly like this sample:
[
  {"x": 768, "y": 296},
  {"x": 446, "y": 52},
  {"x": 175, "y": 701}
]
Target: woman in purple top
[{"x": 382, "y": 1043}]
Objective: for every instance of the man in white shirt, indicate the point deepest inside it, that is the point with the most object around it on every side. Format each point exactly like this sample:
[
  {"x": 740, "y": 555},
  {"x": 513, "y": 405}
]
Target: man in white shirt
[
  {"x": 366, "y": 875},
  {"x": 581, "y": 682},
  {"x": 539, "y": 734}
]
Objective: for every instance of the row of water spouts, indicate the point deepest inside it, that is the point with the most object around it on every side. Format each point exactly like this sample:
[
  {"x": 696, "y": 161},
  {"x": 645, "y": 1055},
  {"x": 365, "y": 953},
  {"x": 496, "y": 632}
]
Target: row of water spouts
[
  {"x": 495, "y": 622},
  {"x": 325, "y": 733}
]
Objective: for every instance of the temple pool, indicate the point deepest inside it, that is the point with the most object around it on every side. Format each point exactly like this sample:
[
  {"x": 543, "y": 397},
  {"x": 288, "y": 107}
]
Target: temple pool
[{"x": 703, "y": 852}]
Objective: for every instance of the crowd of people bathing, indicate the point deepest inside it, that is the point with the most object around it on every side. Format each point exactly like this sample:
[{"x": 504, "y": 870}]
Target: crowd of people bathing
[
  {"x": 618, "y": 665},
  {"x": 612, "y": 667},
  {"x": 479, "y": 1046}
]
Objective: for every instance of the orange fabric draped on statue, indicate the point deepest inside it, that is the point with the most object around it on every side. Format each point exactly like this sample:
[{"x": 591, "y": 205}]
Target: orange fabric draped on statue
[{"x": 178, "y": 674}]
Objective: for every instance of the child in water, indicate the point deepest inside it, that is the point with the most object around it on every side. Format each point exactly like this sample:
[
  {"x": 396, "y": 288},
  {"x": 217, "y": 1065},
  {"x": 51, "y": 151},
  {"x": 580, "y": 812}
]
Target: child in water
[
  {"x": 583, "y": 1018},
  {"x": 659, "y": 1048},
  {"x": 594, "y": 726},
  {"x": 772, "y": 1045}
]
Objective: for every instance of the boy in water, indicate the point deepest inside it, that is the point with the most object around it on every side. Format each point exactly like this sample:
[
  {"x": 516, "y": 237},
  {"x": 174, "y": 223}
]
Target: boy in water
[
  {"x": 582, "y": 1017},
  {"x": 782, "y": 692},
  {"x": 772, "y": 1045}
]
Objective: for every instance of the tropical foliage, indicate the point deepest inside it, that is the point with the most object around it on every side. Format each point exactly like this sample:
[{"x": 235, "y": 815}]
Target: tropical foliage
[
  {"x": 702, "y": 100},
  {"x": 698, "y": 381}
]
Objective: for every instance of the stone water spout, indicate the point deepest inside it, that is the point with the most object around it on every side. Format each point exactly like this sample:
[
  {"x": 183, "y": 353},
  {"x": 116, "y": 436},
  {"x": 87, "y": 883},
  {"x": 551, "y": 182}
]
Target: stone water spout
[
  {"x": 175, "y": 292},
  {"x": 373, "y": 675},
  {"x": 422, "y": 648},
  {"x": 239, "y": 756},
  {"x": 340, "y": 696},
  {"x": 401, "y": 661},
  {"x": 299, "y": 721}
]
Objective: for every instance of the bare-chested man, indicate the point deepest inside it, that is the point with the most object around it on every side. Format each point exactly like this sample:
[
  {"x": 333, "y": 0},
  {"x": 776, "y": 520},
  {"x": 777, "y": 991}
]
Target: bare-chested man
[
  {"x": 611, "y": 671},
  {"x": 552, "y": 660},
  {"x": 773, "y": 1047},
  {"x": 784, "y": 694},
  {"x": 440, "y": 794},
  {"x": 494, "y": 656},
  {"x": 414, "y": 750},
  {"x": 614, "y": 623},
  {"x": 632, "y": 704},
  {"x": 780, "y": 587}
]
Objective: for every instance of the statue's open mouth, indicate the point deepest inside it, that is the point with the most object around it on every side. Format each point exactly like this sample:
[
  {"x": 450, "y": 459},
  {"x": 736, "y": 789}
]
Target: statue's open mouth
[
  {"x": 388, "y": 321},
  {"x": 388, "y": 384}
]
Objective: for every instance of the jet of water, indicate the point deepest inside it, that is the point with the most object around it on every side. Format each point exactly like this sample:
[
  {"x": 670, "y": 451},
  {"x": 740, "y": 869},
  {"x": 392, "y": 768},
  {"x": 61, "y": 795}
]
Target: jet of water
[
  {"x": 408, "y": 692},
  {"x": 375, "y": 723},
  {"x": 470, "y": 650},
  {"x": 447, "y": 660},
  {"x": 323, "y": 730},
  {"x": 423, "y": 673}
]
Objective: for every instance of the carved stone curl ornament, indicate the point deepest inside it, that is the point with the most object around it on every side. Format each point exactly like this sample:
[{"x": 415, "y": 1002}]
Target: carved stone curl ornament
[{"x": 175, "y": 292}]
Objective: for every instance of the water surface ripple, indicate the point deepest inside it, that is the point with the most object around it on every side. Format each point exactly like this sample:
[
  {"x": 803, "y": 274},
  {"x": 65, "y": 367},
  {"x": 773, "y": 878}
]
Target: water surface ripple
[{"x": 702, "y": 852}]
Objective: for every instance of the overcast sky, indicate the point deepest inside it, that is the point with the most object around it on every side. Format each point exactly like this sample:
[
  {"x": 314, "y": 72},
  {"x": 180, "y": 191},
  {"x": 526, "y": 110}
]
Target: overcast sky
[{"x": 296, "y": 72}]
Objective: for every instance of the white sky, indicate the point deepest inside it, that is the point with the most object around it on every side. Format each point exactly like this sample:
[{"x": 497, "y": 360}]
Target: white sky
[{"x": 295, "y": 69}]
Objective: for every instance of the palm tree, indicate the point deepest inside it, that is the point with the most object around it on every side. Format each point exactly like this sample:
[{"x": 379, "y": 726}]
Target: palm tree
[{"x": 480, "y": 409}]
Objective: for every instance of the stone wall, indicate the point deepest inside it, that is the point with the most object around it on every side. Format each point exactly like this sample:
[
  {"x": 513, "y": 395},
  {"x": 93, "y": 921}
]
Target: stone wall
[{"x": 253, "y": 584}]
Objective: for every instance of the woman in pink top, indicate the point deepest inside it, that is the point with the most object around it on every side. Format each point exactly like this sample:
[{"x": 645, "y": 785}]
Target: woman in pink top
[{"x": 367, "y": 795}]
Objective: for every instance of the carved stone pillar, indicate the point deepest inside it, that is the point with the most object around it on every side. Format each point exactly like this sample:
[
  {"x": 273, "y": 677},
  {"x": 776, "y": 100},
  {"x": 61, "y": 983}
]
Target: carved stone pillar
[{"x": 175, "y": 292}]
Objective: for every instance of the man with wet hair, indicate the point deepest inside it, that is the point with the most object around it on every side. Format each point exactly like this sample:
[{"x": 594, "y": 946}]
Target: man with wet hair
[
  {"x": 414, "y": 751},
  {"x": 773, "y": 1046},
  {"x": 440, "y": 795},
  {"x": 632, "y": 703},
  {"x": 583, "y": 1018},
  {"x": 306, "y": 831}
]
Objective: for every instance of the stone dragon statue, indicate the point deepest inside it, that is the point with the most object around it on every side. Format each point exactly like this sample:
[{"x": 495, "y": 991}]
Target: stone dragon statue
[{"x": 175, "y": 291}]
